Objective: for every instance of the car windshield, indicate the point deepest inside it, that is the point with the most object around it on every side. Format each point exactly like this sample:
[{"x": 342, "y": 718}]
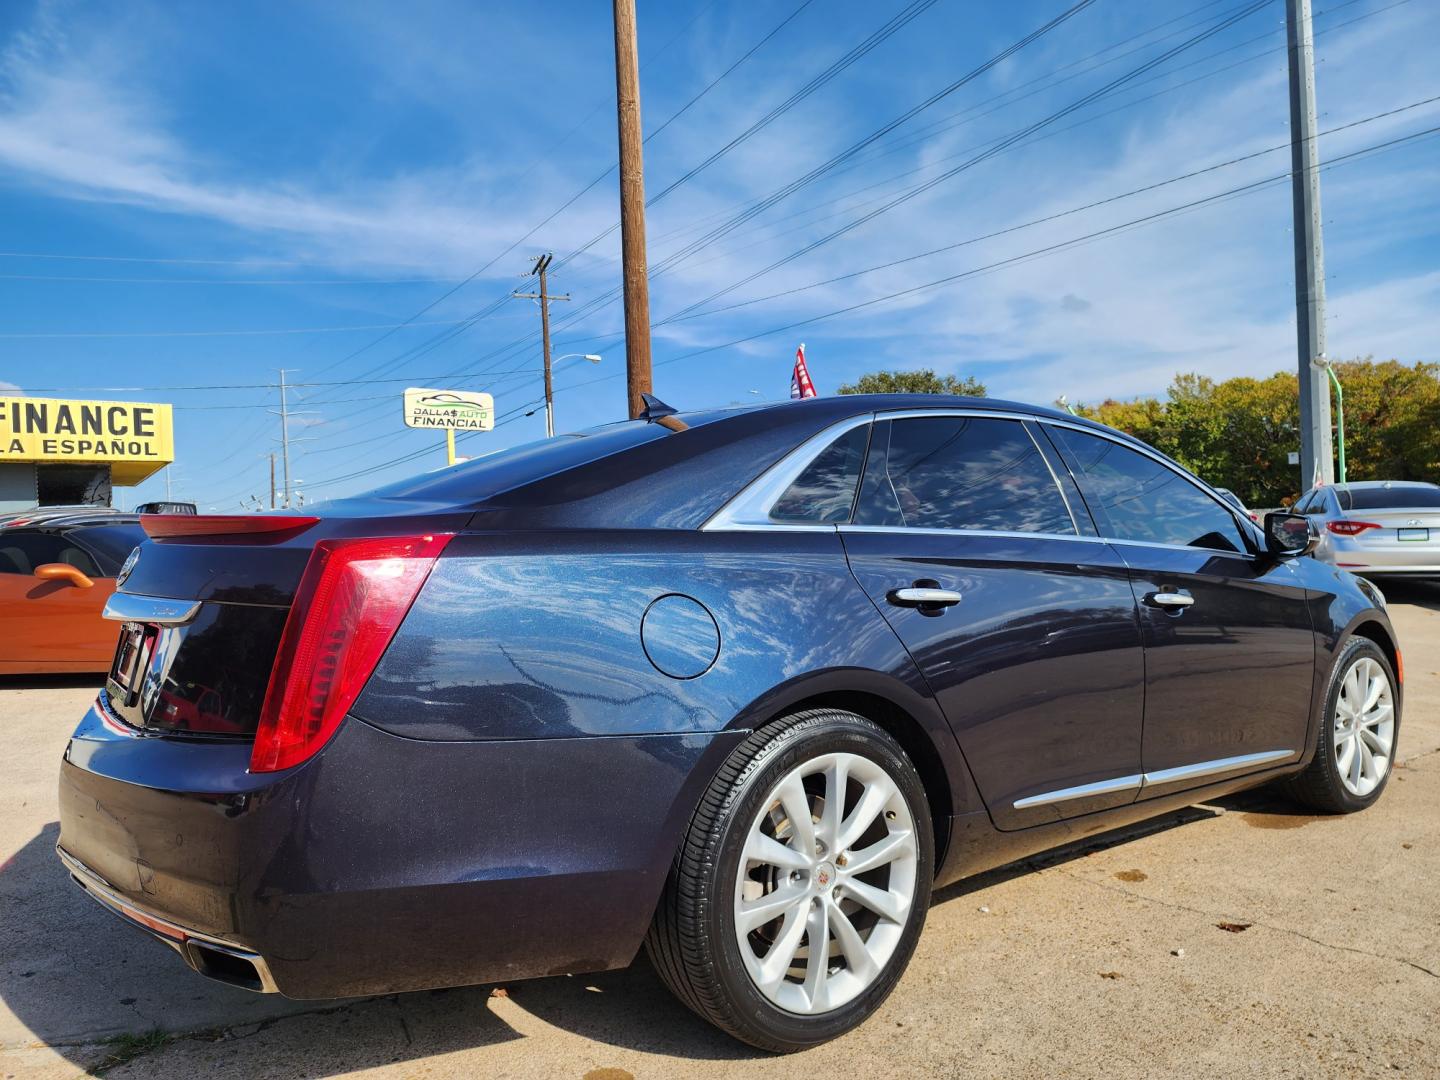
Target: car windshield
[{"x": 1398, "y": 496}]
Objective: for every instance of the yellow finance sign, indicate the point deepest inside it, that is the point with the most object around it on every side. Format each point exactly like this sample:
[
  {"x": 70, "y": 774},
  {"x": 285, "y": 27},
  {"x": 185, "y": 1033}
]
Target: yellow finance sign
[{"x": 134, "y": 439}]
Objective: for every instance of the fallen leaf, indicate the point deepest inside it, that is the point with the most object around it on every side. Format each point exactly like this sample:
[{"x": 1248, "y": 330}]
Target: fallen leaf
[
  {"x": 1131, "y": 875},
  {"x": 1234, "y": 927},
  {"x": 499, "y": 991},
  {"x": 1111, "y": 975}
]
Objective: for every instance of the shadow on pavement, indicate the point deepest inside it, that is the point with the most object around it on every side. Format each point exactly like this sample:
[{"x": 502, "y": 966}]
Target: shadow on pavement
[
  {"x": 1424, "y": 594},
  {"x": 72, "y": 974}
]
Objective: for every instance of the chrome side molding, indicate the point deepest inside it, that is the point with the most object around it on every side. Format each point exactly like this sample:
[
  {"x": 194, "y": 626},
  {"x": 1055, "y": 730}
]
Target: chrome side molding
[
  {"x": 1084, "y": 791},
  {"x": 128, "y": 607},
  {"x": 1162, "y": 776},
  {"x": 1214, "y": 768}
]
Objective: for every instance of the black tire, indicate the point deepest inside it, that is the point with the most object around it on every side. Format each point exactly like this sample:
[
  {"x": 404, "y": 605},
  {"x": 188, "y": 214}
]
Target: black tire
[
  {"x": 1319, "y": 786},
  {"x": 692, "y": 941}
]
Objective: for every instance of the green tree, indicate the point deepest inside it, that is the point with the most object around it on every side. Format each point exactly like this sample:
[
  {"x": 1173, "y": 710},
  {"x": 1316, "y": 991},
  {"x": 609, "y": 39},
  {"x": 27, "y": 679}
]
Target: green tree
[
  {"x": 1239, "y": 433},
  {"x": 922, "y": 381}
]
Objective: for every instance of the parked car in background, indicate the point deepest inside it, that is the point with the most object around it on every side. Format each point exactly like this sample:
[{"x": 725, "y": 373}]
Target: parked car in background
[
  {"x": 57, "y": 571},
  {"x": 1377, "y": 528},
  {"x": 744, "y": 685},
  {"x": 1234, "y": 500},
  {"x": 166, "y": 508}
]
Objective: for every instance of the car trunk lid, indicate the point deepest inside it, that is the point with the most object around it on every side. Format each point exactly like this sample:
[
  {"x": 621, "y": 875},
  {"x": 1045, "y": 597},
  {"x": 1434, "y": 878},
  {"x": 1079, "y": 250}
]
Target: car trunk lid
[{"x": 203, "y": 609}]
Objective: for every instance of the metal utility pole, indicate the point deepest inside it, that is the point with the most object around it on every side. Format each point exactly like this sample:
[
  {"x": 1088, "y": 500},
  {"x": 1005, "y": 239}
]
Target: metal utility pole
[
  {"x": 1316, "y": 461},
  {"x": 272, "y": 481},
  {"x": 632, "y": 207},
  {"x": 285, "y": 437},
  {"x": 543, "y": 296}
]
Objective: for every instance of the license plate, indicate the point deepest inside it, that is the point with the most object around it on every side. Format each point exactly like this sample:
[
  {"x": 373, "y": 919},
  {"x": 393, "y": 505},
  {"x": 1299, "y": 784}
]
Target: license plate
[
  {"x": 1412, "y": 534},
  {"x": 130, "y": 656}
]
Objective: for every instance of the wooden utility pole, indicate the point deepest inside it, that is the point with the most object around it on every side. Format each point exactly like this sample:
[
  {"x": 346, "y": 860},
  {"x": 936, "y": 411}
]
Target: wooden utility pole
[
  {"x": 543, "y": 296},
  {"x": 632, "y": 207},
  {"x": 1316, "y": 456}
]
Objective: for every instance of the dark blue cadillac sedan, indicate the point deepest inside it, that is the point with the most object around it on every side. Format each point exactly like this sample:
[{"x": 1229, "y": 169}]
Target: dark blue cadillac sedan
[{"x": 742, "y": 685}]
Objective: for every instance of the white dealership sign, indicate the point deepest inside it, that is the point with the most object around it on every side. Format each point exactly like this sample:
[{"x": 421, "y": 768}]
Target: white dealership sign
[{"x": 449, "y": 409}]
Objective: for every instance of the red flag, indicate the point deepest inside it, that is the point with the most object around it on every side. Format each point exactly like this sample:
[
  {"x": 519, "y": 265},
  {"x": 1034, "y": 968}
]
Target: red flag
[{"x": 800, "y": 384}]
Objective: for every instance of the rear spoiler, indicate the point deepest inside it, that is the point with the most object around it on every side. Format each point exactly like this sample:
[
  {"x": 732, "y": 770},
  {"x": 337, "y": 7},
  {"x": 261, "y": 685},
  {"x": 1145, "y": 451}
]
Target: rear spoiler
[{"x": 235, "y": 526}]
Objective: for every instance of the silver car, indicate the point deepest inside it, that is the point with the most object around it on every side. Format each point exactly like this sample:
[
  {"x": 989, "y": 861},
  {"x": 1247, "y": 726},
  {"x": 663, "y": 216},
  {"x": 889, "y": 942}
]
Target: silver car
[{"x": 1377, "y": 527}]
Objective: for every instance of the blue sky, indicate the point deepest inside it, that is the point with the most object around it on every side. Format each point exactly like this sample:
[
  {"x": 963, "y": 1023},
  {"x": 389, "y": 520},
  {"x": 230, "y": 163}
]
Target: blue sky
[{"x": 182, "y": 181}]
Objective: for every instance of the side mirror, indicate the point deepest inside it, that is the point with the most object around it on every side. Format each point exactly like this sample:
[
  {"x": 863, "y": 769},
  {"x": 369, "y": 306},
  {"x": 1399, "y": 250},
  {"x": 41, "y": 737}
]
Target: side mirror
[
  {"x": 1289, "y": 535},
  {"x": 59, "y": 571}
]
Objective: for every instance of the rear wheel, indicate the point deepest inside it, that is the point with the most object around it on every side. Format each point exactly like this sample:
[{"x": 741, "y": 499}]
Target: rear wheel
[
  {"x": 796, "y": 899},
  {"x": 1355, "y": 749}
]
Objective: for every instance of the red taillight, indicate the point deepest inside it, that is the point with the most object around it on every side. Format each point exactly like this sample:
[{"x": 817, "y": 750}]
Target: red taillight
[
  {"x": 1350, "y": 528},
  {"x": 350, "y": 602},
  {"x": 163, "y": 526}
]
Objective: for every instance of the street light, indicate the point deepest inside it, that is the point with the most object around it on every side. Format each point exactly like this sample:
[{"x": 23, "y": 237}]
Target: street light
[
  {"x": 1324, "y": 362},
  {"x": 550, "y": 398}
]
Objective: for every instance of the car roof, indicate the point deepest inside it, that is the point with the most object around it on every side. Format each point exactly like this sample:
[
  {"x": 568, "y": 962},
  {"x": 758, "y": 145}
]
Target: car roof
[{"x": 75, "y": 519}]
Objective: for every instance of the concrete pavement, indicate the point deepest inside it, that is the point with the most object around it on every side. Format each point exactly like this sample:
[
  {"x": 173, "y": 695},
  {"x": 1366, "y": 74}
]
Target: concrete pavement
[{"x": 1235, "y": 940}]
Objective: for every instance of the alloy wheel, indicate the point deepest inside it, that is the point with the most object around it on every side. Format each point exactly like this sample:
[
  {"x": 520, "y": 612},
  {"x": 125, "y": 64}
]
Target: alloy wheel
[
  {"x": 1364, "y": 727},
  {"x": 826, "y": 883}
]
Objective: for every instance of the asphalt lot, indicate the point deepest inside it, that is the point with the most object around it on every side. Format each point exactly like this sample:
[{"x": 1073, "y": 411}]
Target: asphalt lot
[{"x": 1108, "y": 960}]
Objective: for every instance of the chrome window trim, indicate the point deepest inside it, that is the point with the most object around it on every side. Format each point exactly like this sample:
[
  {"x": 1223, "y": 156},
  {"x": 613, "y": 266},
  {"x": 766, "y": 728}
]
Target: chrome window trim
[
  {"x": 749, "y": 511},
  {"x": 901, "y": 530},
  {"x": 1140, "y": 782},
  {"x": 1243, "y": 525},
  {"x": 1054, "y": 479}
]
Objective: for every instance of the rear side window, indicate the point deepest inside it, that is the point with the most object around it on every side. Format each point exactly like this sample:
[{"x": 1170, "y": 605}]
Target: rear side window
[
  {"x": 1392, "y": 496},
  {"x": 959, "y": 472},
  {"x": 825, "y": 492},
  {"x": 1146, "y": 501},
  {"x": 22, "y": 552}
]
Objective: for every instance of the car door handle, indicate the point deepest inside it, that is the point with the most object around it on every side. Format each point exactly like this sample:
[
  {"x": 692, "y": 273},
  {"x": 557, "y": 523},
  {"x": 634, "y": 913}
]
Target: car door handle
[
  {"x": 1169, "y": 599},
  {"x": 916, "y": 597}
]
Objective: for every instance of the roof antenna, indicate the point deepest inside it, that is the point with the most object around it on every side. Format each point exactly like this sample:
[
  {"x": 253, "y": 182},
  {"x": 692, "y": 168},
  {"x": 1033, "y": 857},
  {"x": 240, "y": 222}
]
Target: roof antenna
[
  {"x": 657, "y": 412},
  {"x": 655, "y": 408}
]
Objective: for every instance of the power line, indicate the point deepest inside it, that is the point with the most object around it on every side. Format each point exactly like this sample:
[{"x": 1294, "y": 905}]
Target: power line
[
  {"x": 442, "y": 339},
  {"x": 985, "y": 155},
  {"x": 1128, "y": 226},
  {"x": 224, "y": 333}
]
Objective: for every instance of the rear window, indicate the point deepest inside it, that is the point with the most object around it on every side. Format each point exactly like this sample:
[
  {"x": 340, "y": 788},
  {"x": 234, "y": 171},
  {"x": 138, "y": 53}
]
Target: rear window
[
  {"x": 523, "y": 464},
  {"x": 1398, "y": 496}
]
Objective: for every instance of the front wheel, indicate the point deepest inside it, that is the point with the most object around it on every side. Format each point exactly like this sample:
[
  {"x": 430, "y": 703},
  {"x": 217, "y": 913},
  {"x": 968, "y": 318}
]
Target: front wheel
[
  {"x": 797, "y": 897},
  {"x": 1355, "y": 749}
]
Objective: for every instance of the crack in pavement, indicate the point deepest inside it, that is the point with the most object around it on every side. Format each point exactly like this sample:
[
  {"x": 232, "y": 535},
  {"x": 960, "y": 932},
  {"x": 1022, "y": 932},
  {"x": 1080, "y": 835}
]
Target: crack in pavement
[{"x": 1263, "y": 925}]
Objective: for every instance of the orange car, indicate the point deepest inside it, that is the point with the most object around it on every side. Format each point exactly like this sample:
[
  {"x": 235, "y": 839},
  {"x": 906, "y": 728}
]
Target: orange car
[{"x": 56, "y": 572}]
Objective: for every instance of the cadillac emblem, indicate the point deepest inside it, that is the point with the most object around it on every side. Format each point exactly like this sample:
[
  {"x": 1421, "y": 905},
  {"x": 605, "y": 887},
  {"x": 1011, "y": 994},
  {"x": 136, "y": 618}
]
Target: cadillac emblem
[{"x": 126, "y": 567}]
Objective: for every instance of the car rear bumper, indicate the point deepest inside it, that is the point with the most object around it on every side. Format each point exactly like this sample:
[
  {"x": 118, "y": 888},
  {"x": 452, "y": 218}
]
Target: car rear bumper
[
  {"x": 209, "y": 956},
  {"x": 384, "y": 863},
  {"x": 1366, "y": 557}
]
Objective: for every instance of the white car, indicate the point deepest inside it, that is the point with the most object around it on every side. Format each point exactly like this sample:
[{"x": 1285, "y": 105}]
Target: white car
[{"x": 1377, "y": 528}]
